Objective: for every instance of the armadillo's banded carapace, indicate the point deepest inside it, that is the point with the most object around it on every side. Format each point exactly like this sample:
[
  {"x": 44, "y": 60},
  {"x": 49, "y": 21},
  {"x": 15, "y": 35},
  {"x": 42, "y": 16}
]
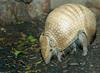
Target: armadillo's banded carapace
[{"x": 65, "y": 22}]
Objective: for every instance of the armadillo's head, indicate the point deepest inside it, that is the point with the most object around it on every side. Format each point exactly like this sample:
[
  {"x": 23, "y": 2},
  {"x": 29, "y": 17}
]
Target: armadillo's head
[{"x": 46, "y": 49}]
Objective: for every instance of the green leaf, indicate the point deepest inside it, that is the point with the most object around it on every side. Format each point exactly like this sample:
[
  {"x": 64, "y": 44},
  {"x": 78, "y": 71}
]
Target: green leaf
[
  {"x": 38, "y": 62},
  {"x": 17, "y": 53},
  {"x": 31, "y": 39}
]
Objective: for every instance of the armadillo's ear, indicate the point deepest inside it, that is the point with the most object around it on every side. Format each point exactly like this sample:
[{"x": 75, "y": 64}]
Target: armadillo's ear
[
  {"x": 41, "y": 37},
  {"x": 43, "y": 40}
]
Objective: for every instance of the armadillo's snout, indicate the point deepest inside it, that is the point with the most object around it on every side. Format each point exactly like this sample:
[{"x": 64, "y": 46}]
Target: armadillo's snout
[
  {"x": 47, "y": 61},
  {"x": 47, "y": 57}
]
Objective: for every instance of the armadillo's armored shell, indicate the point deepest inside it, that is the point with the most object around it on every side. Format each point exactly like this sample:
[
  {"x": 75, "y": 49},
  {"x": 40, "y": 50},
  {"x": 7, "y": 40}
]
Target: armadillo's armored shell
[{"x": 65, "y": 22}]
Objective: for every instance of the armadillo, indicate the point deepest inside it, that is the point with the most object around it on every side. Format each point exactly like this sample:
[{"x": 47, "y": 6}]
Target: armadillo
[{"x": 63, "y": 26}]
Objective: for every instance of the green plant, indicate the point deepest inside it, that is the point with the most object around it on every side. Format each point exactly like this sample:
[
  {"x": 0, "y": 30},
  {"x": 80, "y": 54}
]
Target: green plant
[
  {"x": 31, "y": 39},
  {"x": 17, "y": 53}
]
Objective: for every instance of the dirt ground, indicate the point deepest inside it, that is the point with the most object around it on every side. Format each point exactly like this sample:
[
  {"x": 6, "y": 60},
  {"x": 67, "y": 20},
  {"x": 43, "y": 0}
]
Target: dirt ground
[{"x": 26, "y": 58}]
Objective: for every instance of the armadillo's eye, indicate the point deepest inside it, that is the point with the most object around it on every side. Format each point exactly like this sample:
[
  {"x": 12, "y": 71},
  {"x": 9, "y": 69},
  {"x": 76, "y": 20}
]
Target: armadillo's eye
[{"x": 50, "y": 50}]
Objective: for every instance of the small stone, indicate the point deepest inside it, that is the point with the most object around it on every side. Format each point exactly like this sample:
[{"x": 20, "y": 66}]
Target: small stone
[
  {"x": 91, "y": 65},
  {"x": 3, "y": 29},
  {"x": 74, "y": 64},
  {"x": 82, "y": 63}
]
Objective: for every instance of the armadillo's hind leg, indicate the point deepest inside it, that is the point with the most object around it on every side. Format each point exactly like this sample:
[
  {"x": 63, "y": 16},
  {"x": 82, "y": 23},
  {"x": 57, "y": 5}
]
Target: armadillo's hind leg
[{"x": 83, "y": 42}]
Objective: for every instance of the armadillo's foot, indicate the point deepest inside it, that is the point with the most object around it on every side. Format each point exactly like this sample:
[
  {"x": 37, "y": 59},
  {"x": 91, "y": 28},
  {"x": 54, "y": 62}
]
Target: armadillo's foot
[
  {"x": 73, "y": 46},
  {"x": 84, "y": 43},
  {"x": 59, "y": 55},
  {"x": 85, "y": 50}
]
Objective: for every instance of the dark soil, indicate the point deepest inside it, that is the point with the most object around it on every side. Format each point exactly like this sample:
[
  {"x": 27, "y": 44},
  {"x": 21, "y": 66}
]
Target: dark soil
[{"x": 29, "y": 60}]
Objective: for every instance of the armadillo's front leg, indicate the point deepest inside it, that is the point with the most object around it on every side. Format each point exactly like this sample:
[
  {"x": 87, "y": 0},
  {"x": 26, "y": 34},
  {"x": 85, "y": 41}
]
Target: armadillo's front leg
[
  {"x": 59, "y": 55},
  {"x": 83, "y": 41}
]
